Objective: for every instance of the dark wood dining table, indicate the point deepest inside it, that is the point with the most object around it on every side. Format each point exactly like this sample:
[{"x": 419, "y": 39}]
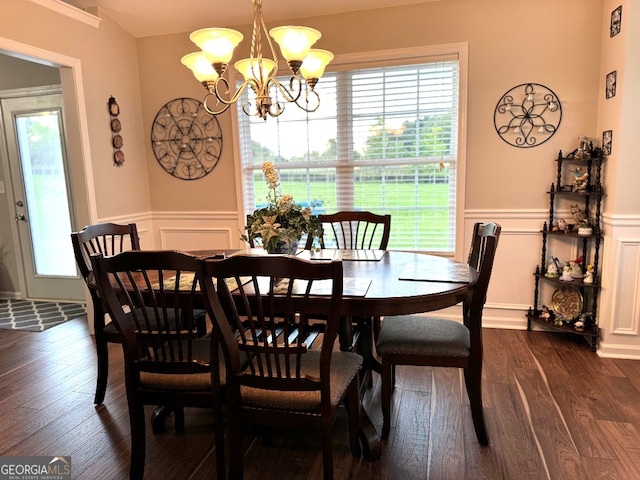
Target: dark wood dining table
[
  {"x": 382, "y": 283},
  {"x": 376, "y": 284}
]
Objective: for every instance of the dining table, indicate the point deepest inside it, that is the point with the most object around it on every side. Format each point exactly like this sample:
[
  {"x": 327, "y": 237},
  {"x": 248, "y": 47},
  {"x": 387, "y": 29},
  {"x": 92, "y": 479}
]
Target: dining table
[
  {"x": 376, "y": 283},
  {"x": 380, "y": 283}
]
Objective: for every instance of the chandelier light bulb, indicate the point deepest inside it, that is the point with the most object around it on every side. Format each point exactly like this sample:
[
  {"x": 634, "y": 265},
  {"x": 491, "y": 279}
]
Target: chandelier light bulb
[
  {"x": 314, "y": 63},
  {"x": 250, "y": 68},
  {"x": 200, "y": 66},
  {"x": 294, "y": 41},
  {"x": 217, "y": 43}
]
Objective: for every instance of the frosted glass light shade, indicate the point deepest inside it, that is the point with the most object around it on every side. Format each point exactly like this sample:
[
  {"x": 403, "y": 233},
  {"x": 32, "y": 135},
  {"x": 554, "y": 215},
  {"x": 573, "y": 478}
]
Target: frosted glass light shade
[
  {"x": 200, "y": 67},
  {"x": 249, "y": 68},
  {"x": 295, "y": 42},
  {"x": 314, "y": 63},
  {"x": 217, "y": 43}
]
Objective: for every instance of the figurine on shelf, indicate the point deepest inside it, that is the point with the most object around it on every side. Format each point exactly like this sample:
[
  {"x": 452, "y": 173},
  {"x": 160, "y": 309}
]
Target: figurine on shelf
[
  {"x": 562, "y": 225},
  {"x": 580, "y": 323},
  {"x": 588, "y": 276},
  {"x": 578, "y": 215},
  {"x": 584, "y": 148},
  {"x": 581, "y": 179},
  {"x": 566, "y": 273},
  {"x": 576, "y": 268},
  {"x": 545, "y": 313},
  {"x": 552, "y": 268}
]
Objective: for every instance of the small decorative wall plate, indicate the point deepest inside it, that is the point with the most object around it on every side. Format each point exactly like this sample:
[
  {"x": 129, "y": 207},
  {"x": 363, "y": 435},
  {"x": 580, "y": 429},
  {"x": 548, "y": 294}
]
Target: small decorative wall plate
[
  {"x": 118, "y": 157},
  {"x": 186, "y": 139},
  {"x": 117, "y": 141},
  {"x": 116, "y": 126}
]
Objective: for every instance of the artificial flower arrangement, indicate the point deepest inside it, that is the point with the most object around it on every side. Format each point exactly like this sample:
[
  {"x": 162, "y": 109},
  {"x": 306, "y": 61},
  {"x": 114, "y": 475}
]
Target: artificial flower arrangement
[{"x": 281, "y": 223}]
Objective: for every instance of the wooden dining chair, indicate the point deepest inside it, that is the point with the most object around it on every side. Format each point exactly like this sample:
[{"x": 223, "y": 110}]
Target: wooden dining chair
[
  {"x": 430, "y": 341},
  {"x": 151, "y": 296},
  {"x": 281, "y": 367},
  {"x": 107, "y": 239},
  {"x": 356, "y": 230}
]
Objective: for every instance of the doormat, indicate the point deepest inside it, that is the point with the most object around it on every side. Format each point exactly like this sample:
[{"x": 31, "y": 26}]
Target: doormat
[{"x": 35, "y": 316}]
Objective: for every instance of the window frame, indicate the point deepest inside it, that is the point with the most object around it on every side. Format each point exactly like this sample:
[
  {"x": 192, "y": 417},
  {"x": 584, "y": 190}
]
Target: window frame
[{"x": 382, "y": 58}]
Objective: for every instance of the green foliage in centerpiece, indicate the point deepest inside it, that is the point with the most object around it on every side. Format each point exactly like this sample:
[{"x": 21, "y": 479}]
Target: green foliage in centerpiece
[{"x": 281, "y": 220}]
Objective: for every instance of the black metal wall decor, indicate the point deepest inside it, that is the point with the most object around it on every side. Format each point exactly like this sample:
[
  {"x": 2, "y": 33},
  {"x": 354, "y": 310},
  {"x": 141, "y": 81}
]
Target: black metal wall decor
[
  {"x": 186, "y": 139},
  {"x": 527, "y": 115}
]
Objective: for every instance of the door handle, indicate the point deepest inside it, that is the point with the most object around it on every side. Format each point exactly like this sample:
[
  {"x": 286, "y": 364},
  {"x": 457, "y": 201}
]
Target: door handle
[{"x": 20, "y": 216}]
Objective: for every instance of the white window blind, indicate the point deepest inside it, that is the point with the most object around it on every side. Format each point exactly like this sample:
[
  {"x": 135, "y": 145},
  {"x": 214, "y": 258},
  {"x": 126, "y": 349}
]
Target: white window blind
[{"x": 385, "y": 139}]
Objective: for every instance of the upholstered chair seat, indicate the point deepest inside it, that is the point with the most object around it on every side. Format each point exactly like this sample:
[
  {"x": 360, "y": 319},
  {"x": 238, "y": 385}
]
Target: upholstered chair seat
[{"x": 428, "y": 336}]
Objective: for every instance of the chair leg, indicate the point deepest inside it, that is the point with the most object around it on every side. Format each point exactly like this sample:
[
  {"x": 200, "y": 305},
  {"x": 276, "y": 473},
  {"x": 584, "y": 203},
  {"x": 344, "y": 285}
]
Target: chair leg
[
  {"x": 138, "y": 441},
  {"x": 102, "y": 352},
  {"x": 386, "y": 390},
  {"x": 327, "y": 447},
  {"x": 236, "y": 445},
  {"x": 473, "y": 381},
  {"x": 352, "y": 405},
  {"x": 178, "y": 419},
  {"x": 219, "y": 438}
]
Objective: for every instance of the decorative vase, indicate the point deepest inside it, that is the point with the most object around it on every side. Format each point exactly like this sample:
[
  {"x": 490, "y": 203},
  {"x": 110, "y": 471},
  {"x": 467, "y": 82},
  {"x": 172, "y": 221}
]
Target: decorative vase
[{"x": 283, "y": 247}]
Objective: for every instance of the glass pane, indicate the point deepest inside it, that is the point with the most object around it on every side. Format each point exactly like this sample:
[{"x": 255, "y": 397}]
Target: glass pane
[{"x": 46, "y": 191}]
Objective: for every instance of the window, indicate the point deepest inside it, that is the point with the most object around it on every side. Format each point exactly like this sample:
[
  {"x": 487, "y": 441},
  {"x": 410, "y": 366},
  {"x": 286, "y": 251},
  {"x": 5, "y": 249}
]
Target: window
[{"x": 386, "y": 138}]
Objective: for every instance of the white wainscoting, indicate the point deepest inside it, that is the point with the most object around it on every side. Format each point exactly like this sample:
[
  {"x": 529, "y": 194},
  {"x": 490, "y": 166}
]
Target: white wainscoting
[
  {"x": 187, "y": 231},
  {"x": 519, "y": 251},
  {"x": 512, "y": 284},
  {"x": 619, "y": 311}
]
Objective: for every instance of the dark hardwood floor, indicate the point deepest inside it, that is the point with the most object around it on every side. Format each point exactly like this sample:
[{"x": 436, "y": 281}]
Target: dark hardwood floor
[{"x": 554, "y": 410}]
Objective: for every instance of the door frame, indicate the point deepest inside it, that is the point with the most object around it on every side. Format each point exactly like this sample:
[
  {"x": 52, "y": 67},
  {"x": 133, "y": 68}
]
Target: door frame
[
  {"x": 77, "y": 132},
  {"x": 30, "y": 101}
]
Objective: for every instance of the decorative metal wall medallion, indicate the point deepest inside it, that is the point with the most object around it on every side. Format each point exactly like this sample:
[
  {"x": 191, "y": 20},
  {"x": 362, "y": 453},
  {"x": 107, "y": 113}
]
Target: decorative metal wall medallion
[
  {"x": 186, "y": 139},
  {"x": 527, "y": 115}
]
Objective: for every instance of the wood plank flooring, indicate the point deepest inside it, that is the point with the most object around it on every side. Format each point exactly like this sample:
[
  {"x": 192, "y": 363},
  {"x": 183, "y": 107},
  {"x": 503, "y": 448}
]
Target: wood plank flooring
[{"x": 554, "y": 410}]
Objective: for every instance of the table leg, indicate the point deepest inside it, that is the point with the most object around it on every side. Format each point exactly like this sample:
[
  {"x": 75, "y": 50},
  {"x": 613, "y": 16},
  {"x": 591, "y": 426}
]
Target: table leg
[{"x": 371, "y": 448}]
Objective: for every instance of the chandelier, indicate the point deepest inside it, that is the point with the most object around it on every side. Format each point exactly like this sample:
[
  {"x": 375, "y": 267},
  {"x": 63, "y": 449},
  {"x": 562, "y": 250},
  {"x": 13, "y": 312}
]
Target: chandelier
[{"x": 217, "y": 45}]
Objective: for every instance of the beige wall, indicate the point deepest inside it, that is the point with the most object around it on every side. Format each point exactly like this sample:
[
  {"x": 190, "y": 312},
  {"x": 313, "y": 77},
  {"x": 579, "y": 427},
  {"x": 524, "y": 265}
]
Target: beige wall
[
  {"x": 561, "y": 44},
  {"x": 109, "y": 64},
  {"x": 510, "y": 42}
]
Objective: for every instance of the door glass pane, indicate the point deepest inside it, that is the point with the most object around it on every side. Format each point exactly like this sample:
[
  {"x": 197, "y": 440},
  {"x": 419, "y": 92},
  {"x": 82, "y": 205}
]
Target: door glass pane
[{"x": 46, "y": 191}]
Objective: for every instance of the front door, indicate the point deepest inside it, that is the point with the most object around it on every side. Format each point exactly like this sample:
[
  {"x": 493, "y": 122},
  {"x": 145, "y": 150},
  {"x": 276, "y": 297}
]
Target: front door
[{"x": 34, "y": 129}]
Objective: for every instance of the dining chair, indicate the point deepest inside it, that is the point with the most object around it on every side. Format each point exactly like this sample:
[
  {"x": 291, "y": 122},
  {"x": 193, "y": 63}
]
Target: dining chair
[
  {"x": 107, "y": 239},
  {"x": 356, "y": 230},
  {"x": 431, "y": 341},
  {"x": 151, "y": 295},
  {"x": 265, "y": 311}
]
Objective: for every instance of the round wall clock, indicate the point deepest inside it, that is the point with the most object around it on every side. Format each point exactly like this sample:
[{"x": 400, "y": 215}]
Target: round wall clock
[{"x": 186, "y": 139}]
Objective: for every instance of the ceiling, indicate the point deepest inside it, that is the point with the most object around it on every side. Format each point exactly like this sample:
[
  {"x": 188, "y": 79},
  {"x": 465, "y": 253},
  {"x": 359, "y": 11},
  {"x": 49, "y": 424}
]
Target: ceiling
[{"x": 143, "y": 18}]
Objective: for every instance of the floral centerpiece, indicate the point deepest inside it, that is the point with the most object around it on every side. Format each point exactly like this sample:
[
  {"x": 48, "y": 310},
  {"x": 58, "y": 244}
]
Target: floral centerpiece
[{"x": 281, "y": 223}]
